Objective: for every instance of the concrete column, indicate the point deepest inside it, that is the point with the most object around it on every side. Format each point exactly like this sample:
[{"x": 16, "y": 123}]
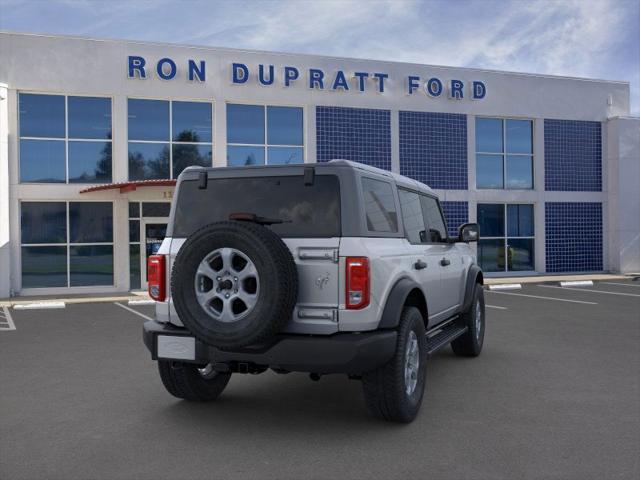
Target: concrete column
[
  {"x": 623, "y": 206},
  {"x": 120, "y": 160},
  {"x": 220, "y": 134},
  {"x": 538, "y": 185},
  {"x": 5, "y": 245},
  {"x": 395, "y": 140}
]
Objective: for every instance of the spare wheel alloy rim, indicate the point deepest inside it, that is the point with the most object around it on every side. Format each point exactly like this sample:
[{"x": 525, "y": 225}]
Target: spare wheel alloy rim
[{"x": 227, "y": 285}]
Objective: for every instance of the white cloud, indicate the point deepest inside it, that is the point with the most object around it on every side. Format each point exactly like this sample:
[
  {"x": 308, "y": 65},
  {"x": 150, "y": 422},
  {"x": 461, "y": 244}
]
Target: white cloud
[{"x": 591, "y": 38}]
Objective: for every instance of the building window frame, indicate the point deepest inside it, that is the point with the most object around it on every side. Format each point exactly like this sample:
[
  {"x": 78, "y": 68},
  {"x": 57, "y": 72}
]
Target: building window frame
[
  {"x": 66, "y": 138},
  {"x": 506, "y": 237},
  {"x": 265, "y": 145},
  {"x": 67, "y": 244},
  {"x": 504, "y": 154},
  {"x": 170, "y": 141}
]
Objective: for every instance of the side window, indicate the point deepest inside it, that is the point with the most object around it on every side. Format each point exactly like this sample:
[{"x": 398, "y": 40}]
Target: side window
[
  {"x": 412, "y": 216},
  {"x": 436, "y": 229},
  {"x": 380, "y": 207}
]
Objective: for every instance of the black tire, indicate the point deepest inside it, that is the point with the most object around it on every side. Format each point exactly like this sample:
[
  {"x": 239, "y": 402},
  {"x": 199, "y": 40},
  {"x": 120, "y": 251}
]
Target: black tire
[
  {"x": 470, "y": 344},
  {"x": 276, "y": 296},
  {"x": 183, "y": 380},
  {"x": 385, "y": 390}
]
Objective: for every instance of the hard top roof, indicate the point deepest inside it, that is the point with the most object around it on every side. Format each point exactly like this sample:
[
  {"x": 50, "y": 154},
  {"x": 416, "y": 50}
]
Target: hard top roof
[{"x": 397, "y": 178}]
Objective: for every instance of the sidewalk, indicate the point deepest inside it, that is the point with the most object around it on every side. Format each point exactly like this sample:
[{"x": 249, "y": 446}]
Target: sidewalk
[
  {"x": 557, "y": 278},
  {"x": 77, "y": 298},
  {"x": 126, "y": 296}
]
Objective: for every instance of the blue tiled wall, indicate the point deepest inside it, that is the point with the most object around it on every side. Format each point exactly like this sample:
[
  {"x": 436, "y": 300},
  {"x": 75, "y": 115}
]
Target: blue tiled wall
[
  {"x": 359, "y": 134},
  {"x": 433, "y": 148},
  {"x": 456, "y": 214},
  {"x": 573, "y": 236},
  {"x": 572, "y": 155}
]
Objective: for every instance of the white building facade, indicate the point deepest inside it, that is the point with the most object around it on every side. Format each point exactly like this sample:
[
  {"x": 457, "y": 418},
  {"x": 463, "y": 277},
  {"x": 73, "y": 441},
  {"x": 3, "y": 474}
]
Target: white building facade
[{"x": 93, "y": 133}]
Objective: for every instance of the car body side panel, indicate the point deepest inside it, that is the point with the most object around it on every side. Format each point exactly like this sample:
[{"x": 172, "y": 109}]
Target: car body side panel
[{"x": 389, "y": 261}]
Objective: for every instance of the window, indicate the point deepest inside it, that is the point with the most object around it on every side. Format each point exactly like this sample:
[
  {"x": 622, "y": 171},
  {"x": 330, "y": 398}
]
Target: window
[
  {"x": 504, "y": 153},
  {"x": 165, "y": 137},
  {"x": 380, "y": 206},
  {"x": 65, "y": 139},
  {"x": 412, "y": 217},
  {"x": 66, "y": 244},
  {"x": 437, "y": 229},
  {"x": 259, "y": 135},
  {"x": 306, "y": 210},
  {"x": 506, "y": 237}
]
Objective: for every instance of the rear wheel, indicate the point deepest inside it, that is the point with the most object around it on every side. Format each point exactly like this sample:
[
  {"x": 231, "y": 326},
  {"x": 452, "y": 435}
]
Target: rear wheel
[
  {"x": 394, "y": 392},
  {"x": 470, "y": 344},
  {"x": 192, "y": 382}
]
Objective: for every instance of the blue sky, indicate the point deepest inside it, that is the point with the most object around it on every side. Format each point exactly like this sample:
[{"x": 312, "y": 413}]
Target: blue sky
[{"x": 583, "y": 38}]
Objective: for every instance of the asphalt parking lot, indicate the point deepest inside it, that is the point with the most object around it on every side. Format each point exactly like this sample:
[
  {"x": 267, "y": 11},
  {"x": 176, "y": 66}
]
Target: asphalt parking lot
[{"x": 555, "y": 394}]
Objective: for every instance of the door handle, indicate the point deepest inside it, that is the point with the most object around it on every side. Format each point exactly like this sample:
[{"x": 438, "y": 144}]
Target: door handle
[
  {"x": 419, "y": 265},
  {"x": 445, "y": 261}
]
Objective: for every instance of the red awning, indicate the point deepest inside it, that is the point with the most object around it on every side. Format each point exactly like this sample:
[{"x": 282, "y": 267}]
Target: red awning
[{"x": 130, "y": 186}]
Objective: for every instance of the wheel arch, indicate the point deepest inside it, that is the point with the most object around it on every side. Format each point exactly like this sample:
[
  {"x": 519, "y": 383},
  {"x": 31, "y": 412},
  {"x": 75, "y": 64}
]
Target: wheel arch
[
  {"x": 473, "y": 276},
  {"x": 405, "y": 292}
]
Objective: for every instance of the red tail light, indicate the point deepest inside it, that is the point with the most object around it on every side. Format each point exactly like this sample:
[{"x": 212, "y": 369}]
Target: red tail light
[
  {"x": 357, "y": 280},
  {"x": 156, "y": 277}
]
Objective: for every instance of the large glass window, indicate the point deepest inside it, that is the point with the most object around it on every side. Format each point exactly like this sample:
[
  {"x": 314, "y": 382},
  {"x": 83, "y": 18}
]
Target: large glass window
[
  {"x": 504, "y": 153},
  {"x": 506, "y": 237},
  {"x": 380, "y": 206},
  {"x": 65, "y": 139},
  {"x": 66, "y": 244},
  {"x": 258, "y": 135},
  {"x": 165, "y": 137}
]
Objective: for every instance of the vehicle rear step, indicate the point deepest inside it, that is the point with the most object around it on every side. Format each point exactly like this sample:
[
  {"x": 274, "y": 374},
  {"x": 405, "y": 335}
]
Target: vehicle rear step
[{"x": 444, "y": 337}]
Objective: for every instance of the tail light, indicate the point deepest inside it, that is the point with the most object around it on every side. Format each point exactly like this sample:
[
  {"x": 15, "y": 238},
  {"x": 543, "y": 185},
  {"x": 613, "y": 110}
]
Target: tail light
[
  {"x": 357, "y": 280},
  {"x": 156, "y": 277}
]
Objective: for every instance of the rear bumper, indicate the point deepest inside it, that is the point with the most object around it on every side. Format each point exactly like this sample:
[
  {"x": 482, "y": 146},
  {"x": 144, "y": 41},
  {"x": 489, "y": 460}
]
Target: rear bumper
[{"x": 351, "y": 353}]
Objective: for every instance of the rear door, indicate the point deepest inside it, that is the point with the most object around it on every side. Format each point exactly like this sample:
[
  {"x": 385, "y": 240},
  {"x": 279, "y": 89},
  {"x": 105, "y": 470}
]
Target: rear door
[
  {"x": 424, "y": 263},
  {"x": 318, "y": 283},
  {"x": 447, "y": 258},
  {"x": 304, "y": 213}
]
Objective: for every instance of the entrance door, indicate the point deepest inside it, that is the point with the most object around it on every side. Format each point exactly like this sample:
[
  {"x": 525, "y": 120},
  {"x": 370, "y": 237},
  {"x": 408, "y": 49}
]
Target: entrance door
[{"x": 153, "y": 231}]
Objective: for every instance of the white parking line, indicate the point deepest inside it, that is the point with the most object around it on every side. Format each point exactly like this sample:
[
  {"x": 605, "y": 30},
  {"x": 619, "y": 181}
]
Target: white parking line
[
  {"x": 545, "y": 298},
  {"x": 133, "y": 311},
  {"x": 621, "y": 284},
  {"x": 496, "y": 307},
  {"x": 591, "y": 290},
  {"x": 8, "y": 320}
]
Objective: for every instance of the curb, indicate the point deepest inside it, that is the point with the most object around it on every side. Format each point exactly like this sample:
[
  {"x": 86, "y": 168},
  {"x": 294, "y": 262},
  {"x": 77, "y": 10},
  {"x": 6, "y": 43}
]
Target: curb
[{"x": 71, "y": 301}]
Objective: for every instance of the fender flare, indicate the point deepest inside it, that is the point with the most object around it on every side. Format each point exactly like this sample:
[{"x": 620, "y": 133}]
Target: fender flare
[
  {"x": 396, "y": 301},
  {"x": 474, "y": 275}
]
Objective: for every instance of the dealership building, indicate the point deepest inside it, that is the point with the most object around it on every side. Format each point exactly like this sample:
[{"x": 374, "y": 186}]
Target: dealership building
[{"x": 93, "y": 134}]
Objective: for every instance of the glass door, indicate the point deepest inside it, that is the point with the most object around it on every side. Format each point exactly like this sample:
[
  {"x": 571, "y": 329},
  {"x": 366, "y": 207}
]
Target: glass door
[{"x": 153, "y": 231}]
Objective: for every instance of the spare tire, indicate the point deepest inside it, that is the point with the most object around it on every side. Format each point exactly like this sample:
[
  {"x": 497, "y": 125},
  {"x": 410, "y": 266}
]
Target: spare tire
[{"x": 234, "y": 284}]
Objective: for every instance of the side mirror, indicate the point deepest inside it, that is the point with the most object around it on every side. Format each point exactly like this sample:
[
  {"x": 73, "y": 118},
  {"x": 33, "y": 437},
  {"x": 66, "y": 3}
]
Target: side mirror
[{"x": 469, "y": 232}]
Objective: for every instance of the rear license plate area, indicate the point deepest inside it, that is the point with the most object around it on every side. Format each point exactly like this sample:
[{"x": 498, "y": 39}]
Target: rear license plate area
[{"x": 176, "y": 348}]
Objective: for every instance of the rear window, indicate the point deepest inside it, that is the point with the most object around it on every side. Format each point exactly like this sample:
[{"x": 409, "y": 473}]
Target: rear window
[{"x": 306, "y": 210}]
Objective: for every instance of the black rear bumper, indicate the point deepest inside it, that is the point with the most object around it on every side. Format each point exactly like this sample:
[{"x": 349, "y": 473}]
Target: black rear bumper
[{"x": 351, "y": 353}]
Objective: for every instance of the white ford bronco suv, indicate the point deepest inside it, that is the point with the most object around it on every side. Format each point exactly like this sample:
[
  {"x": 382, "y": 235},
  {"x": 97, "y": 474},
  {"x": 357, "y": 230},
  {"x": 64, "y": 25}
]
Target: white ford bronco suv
[{"x": 322, "y": 268}]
